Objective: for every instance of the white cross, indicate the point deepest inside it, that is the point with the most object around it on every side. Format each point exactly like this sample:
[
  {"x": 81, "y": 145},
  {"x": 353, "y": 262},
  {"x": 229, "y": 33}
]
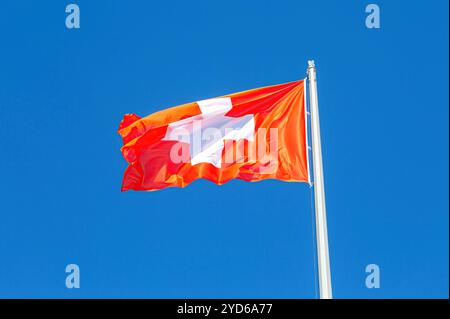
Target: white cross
[{"x": 215, "y": 126}]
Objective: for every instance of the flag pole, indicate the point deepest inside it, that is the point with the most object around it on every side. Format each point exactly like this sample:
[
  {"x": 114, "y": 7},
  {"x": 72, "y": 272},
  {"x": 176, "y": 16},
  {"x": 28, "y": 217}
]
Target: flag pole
[{"x": 319, "y": 190}]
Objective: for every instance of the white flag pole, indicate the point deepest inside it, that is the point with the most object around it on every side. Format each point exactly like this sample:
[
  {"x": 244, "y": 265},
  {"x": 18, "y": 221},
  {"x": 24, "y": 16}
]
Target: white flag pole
[{"x": 319, "y": 190}]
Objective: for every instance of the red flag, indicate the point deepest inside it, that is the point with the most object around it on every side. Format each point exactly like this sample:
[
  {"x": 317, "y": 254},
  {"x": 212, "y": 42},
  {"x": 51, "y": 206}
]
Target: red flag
[{"x": 251, "y": 135}]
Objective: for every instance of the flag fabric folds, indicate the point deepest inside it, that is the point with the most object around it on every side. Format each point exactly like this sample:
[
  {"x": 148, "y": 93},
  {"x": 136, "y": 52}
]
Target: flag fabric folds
[{"x": 252, "y": 135}]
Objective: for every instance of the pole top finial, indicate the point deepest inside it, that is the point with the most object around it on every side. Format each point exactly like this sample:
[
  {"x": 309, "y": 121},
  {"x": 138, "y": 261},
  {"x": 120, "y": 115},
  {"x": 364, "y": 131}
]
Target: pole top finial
[{"x": 311, "y": 64}]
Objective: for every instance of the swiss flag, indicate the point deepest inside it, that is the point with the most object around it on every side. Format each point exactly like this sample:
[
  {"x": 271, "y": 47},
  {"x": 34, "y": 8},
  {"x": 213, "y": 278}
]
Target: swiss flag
[{"x": 251, "y": 135}]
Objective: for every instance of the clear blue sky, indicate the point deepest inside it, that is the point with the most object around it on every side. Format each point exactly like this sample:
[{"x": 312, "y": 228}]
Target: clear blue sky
[{"x": 384, "y": 115}]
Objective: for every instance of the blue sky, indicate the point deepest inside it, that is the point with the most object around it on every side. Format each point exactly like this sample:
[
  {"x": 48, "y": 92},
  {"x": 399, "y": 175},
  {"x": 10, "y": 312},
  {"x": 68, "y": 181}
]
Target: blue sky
[{"x": 384, "y": 117}]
